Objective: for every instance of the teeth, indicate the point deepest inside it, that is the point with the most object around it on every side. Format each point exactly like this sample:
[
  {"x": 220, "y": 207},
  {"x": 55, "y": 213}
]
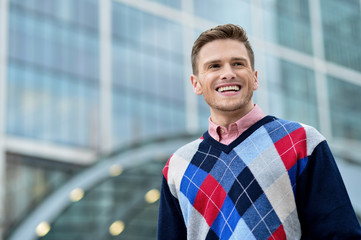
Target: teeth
[{"x": 228, "y": 88}]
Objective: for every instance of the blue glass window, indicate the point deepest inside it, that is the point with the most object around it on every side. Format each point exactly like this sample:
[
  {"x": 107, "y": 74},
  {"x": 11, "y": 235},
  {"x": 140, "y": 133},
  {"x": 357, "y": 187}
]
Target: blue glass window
[
  {"x": 341, "y": 22},
  {"x": 148, "y": 75},
  {"x": 345, "y": 108},
  {"x": 234, "y": 11},
  {"x": 53, "y": 72}
]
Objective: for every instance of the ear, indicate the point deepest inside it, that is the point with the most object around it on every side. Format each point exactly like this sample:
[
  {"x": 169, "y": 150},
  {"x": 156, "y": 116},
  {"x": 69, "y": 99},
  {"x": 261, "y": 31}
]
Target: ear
[
  {"x": 255, "y": 80},
  {"x": 197, "y": 88}
]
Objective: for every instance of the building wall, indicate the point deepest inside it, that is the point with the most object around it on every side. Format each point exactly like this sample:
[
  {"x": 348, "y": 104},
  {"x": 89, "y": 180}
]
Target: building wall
[{"x": 87, "y": 77}]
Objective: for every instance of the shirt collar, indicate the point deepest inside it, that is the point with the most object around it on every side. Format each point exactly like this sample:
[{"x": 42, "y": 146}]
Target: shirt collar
[{"x": 226, "y": 136}]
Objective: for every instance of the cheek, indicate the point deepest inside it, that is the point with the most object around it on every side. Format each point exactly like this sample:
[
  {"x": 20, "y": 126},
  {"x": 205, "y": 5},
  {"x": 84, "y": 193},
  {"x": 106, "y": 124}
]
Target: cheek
[{"x": 209, "y": 81}]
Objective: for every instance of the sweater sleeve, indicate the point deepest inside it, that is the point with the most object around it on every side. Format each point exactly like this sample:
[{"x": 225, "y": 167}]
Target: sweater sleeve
[
  {"x": 323, "y": 205},
  {"x": 170, "y": 221}
]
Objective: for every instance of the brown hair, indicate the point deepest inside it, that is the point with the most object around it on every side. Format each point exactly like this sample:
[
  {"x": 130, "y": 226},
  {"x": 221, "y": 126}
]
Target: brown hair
[{"x": 227, "y": 31}]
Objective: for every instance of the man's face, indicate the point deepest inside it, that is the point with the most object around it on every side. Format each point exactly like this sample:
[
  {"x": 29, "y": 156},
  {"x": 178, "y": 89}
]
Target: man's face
[{"x": 225, "y": 77}]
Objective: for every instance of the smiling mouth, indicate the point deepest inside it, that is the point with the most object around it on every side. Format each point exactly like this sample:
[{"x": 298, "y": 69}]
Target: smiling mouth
[{"x": 234, "y": 88}]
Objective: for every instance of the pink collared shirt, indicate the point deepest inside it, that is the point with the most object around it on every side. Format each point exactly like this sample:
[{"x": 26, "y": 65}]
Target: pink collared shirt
[{"x": 227, "y": 136}]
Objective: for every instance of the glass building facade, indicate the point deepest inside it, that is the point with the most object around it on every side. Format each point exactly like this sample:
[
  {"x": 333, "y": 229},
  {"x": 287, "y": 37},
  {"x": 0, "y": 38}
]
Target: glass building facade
[{"x": 89, "y": 82}]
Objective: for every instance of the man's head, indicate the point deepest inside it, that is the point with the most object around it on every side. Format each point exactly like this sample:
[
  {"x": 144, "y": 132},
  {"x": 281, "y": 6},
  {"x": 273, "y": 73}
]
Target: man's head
[
  {"x": 227, "y": 31},
  {"x": 224, "y": 74}
]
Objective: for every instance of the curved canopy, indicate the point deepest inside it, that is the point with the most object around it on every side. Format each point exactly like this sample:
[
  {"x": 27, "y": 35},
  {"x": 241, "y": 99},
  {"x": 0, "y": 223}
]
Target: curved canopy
[{"x": 138, "y": 156}]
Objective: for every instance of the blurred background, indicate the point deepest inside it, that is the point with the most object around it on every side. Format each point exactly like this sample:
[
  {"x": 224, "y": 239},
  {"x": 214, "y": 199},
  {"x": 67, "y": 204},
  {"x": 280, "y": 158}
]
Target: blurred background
[{"x": 95, "y": 96}]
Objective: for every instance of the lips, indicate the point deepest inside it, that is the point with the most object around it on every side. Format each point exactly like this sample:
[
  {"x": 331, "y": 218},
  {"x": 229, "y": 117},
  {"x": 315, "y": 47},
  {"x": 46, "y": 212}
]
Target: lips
[{"x": 229, "y": 88}]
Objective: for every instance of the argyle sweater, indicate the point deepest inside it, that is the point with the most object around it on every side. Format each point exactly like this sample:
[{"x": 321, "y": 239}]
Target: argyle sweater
[{"x": 278, "y": 180}]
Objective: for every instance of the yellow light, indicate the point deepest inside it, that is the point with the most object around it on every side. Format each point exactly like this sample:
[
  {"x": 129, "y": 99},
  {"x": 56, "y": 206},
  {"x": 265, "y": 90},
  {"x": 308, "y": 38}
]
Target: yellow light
[
  {"x": 115, "y": 170},
  {"x": 152, "y": 196},
  {"x": 76, "y": 195},
  {"x": 42, "y": 229},
  {"x": 116, "y": 228}
]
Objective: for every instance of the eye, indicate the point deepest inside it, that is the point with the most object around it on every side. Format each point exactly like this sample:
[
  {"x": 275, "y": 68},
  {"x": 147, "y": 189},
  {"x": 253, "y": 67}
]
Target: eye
[
  {"x": 238, "y": 64},
  {"x": 213, "y": 66}
]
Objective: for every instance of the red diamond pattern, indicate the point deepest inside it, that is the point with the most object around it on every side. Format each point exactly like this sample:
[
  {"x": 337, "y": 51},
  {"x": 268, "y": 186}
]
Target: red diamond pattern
[
  {"x": 209, "y": 200},
  {"x": 292, "y": 147}
]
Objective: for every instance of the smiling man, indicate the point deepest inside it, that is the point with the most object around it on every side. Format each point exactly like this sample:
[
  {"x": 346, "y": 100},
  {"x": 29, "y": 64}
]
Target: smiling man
[{"x": 250, "y": 176}]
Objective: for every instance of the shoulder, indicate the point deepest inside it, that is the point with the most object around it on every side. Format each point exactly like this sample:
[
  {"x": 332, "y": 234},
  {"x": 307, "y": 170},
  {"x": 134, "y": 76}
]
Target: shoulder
[
  {"x": 188, "y": 150},
  {"x": 313, "y": 137},
  {"x": 279, "y": 128},
  {"x": 178, "y": 163},
  {"x": 180, "y": 159},
  {"x": 312, "y": 133}
]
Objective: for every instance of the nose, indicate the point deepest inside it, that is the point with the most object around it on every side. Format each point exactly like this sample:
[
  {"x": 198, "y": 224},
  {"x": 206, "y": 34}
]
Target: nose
[{"x": 227, "y": 73}]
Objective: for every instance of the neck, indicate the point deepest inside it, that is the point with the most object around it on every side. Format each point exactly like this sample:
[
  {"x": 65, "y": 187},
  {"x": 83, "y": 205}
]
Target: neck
[{"x": 225, "y": 118}]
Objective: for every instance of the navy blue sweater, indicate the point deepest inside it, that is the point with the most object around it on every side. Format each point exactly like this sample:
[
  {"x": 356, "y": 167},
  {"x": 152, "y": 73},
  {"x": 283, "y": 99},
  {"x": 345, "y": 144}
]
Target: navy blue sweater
[{"x": 278, "y": 180}]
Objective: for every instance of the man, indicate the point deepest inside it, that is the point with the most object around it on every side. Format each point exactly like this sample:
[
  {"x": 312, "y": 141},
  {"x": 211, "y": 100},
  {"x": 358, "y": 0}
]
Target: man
[{"x": 250, "y": 176}]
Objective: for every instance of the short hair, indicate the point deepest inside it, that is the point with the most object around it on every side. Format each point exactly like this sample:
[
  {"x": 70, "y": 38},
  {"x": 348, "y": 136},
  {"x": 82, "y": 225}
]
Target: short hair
[{"x": 227, "y": 31}]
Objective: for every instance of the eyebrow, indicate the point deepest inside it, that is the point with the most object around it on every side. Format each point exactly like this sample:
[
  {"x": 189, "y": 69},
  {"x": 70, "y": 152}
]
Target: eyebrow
[
  {"x": 239, "y": 59},
  {"x": 218, "y": 60}
]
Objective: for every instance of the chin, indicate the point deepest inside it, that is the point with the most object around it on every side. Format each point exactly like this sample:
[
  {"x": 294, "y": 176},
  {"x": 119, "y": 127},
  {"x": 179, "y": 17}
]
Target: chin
[{"x": 233, "y": 107}]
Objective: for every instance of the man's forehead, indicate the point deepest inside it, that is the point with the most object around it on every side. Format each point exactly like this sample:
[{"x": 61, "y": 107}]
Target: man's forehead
[{"x": 225, "y": 48}]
